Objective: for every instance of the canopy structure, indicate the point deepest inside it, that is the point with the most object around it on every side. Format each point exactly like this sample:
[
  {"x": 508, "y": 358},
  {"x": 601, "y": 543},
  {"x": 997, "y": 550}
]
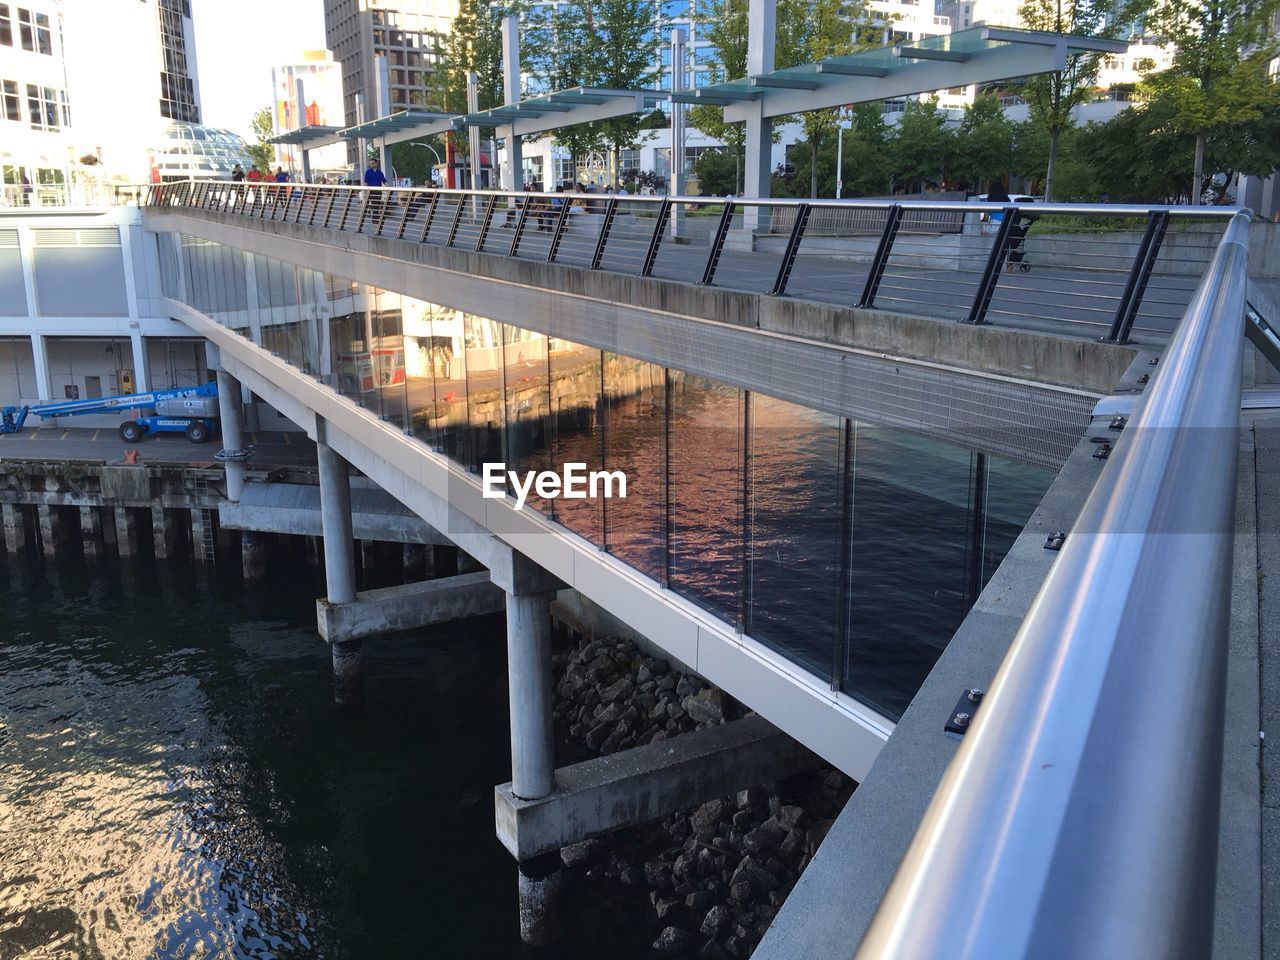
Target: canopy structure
[
  {"x": 975, "y": 56},
  {"x": 309, "y": 138},
  {"x": 566, "y": 108},
  {"x": 401, "y": 126}
]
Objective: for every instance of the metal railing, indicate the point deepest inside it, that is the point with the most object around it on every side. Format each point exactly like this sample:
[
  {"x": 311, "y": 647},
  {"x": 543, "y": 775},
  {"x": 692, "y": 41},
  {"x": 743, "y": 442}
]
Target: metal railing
[
  {"x": 1105, "y": 270},
  {"x": 1079, "y": 817}
]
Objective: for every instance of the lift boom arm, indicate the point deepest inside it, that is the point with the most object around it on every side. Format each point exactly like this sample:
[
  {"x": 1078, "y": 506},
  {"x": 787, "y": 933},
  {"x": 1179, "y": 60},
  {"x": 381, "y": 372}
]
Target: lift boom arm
[{"x": 12, "y": 418}]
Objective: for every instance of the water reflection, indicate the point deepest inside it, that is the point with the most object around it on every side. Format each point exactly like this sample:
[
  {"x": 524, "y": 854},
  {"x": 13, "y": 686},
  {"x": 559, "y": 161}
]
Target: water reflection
[{"x": 852, "y": 549}]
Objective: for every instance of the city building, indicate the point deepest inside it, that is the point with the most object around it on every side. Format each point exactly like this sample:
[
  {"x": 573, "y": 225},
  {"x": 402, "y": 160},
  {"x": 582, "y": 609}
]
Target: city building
[
  {"x": 316, "y": 80},
  {"x": 405, "y": 32},
  {"x": 68, "y": 133}
]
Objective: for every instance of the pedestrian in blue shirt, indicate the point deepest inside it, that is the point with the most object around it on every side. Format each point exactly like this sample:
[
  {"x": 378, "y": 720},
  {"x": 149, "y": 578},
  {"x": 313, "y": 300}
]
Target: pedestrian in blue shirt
[{"x": 373, "y": 177}]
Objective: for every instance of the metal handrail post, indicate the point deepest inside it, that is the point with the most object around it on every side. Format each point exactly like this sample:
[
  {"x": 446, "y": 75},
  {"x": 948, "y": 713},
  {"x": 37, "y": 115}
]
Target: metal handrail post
[
  {"x": 558, "y": 235},
  {"x": 651, "y": 255},
  {"x": 602, "y": 238},
  {"x": 410, "y": 197},
  {"x": 717, "y": 245},
  {"x": 484, "y": 224},
  {"x": 431, "y": 215},
  {"x": 991, "y": 272},
  {"x": 346, "y": 208},
  {"x": 1136, "y": 284},
  {"x": 893, "y": 220},
  {"x": 1080, "y": 815},
  {"x": 519, "y": 231},
  {"x": 457, "y": 219},
  {"x": 792, "y": 248}
]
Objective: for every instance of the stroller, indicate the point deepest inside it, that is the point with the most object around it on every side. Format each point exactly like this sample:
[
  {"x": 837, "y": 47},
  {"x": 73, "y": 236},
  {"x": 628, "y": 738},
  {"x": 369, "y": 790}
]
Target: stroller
[{"x": 1016, "y": 257}]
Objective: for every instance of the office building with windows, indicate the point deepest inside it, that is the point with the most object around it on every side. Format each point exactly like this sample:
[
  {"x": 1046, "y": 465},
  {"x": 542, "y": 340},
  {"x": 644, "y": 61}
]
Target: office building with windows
[{"x": 406, "y": 32}]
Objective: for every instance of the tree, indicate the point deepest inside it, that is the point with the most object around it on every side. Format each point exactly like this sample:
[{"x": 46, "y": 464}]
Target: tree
[
  {"x": 262, "y": 153},
  {"x": 415, "y": 158},
  {"x": 922, "y": 146},
  {"x": 984, "y": 142},
  {"x": 1052, "y": 96},
  {"x": 724, "y": 24},
  {"x": 812, "y": 30},
  {"x": 717, "y": 173},
  {"x": 1218, "y": 84},
  {"x": 594, "y": 43}
]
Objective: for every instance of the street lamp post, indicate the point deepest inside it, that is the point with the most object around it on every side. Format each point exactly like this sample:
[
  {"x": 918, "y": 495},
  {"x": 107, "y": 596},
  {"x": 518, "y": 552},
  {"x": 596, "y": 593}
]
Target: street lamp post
[{"x": 840, "y": 128}]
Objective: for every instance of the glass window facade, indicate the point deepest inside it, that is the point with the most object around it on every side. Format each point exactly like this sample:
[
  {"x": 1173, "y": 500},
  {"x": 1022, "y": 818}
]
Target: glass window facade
[{"x": 850, "y": 549}]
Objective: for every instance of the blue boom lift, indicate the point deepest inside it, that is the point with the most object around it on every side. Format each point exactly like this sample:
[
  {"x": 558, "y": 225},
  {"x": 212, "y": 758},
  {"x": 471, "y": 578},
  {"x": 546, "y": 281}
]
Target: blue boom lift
[{"x": 189, "y": 410}]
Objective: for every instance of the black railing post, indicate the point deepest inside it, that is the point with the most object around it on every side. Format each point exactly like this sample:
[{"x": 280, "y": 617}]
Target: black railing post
[
  {"x": 893, "y": 220},
  {"x": 315, "y": 207},
  {"x": 1136, "y": 285},
  {"x": 521, "y": 219},
  {"x": 991, "y": 272},
  {"x": 717, "y": 244},
  {"x": 385, "y": 196},
  {"x": 410, "y": 197},
  {"x": 457, "y": 219},
  {"x": 302, "y": 202},
  {"x": 977, "y": 528},
  {"x": 559, "y": 231},
  {"x": 651, "y": 255},
  {"x": 602, "y": 238},
  {"x": 431, "y": 215},
  {"x": 364, "y": 208},
  {"x": 346, "y": 208},
  {"x": 791, "y": 249},
  {"x": 484, "y": 224},
  {"x": 275, "y": 200}
]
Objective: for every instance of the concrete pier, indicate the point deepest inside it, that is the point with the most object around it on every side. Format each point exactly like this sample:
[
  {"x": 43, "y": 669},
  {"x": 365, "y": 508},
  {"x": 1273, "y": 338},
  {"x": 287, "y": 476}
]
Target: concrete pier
[
  {"x": 126, "y": 525},
  {"x": 340, "y": 570},
  {"x": 91, "y": 531},
  {"x": 15, "y": 529},
  {"x": 50, "y": 524},
  {"x": 533, "y": 768},
  {"x": 159, "y": 533},
  {"x": 421, "y": 604},
  {"x": 413, "y": 562},
  {"x": 231, "y": 416},
  {"x": 253, "y": 554}
]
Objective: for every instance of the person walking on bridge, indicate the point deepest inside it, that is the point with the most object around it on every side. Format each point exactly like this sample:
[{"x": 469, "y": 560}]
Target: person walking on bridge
[{"x": 374, "y": 177}]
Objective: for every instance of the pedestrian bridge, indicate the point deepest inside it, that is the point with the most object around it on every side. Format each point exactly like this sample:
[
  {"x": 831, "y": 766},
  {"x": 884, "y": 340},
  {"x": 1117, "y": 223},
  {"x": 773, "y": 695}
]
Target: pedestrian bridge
[{"x": 850, "y": 431}]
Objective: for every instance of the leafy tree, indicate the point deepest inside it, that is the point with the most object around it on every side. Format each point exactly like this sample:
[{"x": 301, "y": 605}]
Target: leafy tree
[
  {"x": 1218, "y": 86},
  {"x": 1052, "y": 96},
  {"x": 812, "y": 30},
  {"x": 1131, "y": 153},
  {"x": 594, "y": 43},
  {"x": 717, "y": 173},
  {"x": 922, "y": 147},
  {"x": 724, "y": 24},
  {"x": 473, "y": 43},
  {"x": 984, "y": 142},
  {"x": 1074, "y": 176},
  {"x": 262, "y": 153},
  {"x": 412, "y": 159}
]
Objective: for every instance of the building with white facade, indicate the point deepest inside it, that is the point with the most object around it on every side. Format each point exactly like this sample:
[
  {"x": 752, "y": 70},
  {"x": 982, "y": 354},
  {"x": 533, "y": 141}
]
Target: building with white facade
[
  {"x": 315, "y": 82},
  {"x": 76, "y": 120}
]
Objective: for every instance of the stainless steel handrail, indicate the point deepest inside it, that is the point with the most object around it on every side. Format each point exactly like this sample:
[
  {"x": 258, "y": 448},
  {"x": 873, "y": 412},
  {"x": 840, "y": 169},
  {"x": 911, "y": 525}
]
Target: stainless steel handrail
[
  {"x": 950, "y": 206},
  {"x": 1079, "y": 818}
]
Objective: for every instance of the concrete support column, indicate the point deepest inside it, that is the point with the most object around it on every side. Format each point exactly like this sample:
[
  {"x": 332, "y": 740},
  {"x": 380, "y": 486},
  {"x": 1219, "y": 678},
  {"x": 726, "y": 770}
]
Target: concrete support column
[
  {"x": 141, "y": 382},
  {"x": 529, "y": 667},
  {"x": 533, "y": 765},
  {"x": 48, "y": 528},
  {"x": 414, "y": 562},
  {"x": 159, "y": 532},
  {"x": 253, "y": 554},
  {"x": 231, "y": 417},
  {"x": 90, "y": 530},
  {"x": 15, "y": 530},
  {"x": 340, "y": 570},
  {"x": 40, "y": 358},
  {"x": 126, "y": 532},
  {"x": 761, "y": 36},
  {"x": 513, "y": 176}
]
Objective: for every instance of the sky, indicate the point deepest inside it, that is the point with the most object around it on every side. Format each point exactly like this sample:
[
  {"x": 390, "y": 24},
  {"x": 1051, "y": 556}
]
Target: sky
[{"x": 237, "y": 44}]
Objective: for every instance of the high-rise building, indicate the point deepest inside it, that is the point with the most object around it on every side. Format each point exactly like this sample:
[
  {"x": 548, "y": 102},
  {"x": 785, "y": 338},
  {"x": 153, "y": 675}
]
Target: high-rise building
[
  {"x": 68, "y": 124},
  {"x": 406, "y": 32}
]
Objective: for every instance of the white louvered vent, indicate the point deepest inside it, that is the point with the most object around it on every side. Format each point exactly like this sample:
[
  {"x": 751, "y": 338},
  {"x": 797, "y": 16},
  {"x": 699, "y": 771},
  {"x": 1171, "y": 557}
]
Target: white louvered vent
[
  {"x": 8, "y": 239},
  {"x": 86, "y": 237}
]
